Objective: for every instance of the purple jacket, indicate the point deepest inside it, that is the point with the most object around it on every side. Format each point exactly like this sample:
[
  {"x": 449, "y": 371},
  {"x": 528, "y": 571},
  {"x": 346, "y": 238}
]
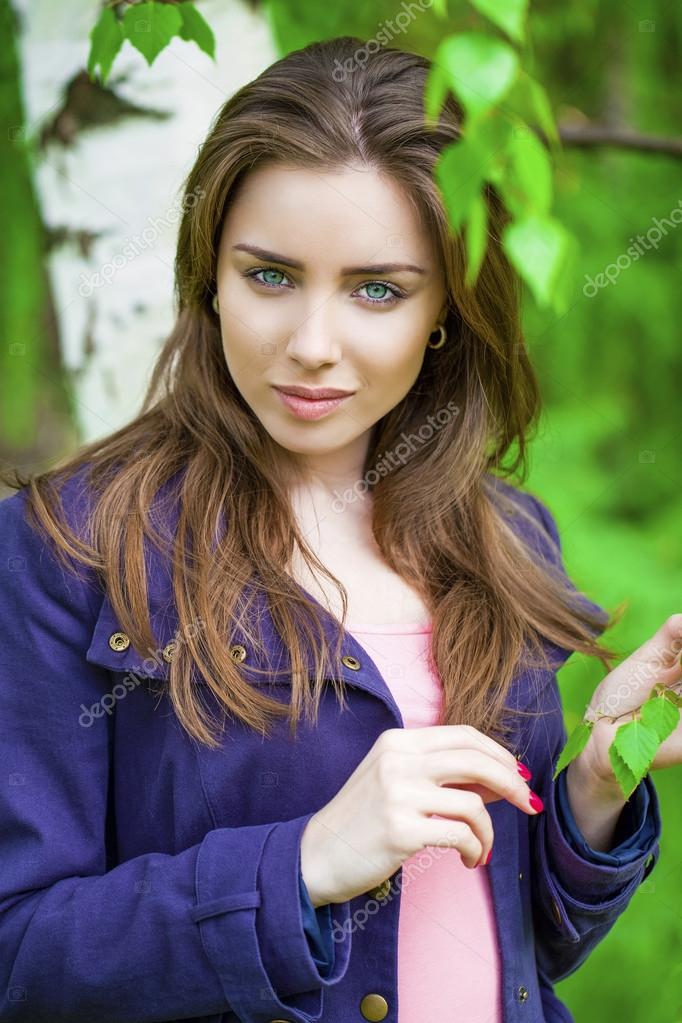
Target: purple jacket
[{"x": 146, "y": 878}]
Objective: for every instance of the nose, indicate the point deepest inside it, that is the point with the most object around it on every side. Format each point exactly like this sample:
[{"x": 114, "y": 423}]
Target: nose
[{"x": 313, "y": 343}]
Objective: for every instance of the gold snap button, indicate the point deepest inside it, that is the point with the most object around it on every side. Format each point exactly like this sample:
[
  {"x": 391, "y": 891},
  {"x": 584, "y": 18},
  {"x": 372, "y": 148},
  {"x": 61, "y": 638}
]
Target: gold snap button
[
  {"x": 238, "y": 654},
  {"x": 522, "y": 993},
  {"x": 557, "y": 911},
  {"x": 382, "y": 890},
  {"x": 168, "y": 652},
  {"x": 119, "y": 641},
  {"x": 354, "y": 663},
  {"x": 374, "y": 1007}
]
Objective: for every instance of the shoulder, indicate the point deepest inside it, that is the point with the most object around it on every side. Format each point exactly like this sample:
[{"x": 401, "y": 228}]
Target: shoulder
[
  {"x": 31, "y": 561},
  {"x": 527, "y": 515},
  {"x": 530, "y": 519}
]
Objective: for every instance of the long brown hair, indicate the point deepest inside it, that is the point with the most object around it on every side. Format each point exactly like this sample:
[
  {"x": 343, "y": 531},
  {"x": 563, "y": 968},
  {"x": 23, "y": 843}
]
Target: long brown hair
[{"x": 438, "y": 518}]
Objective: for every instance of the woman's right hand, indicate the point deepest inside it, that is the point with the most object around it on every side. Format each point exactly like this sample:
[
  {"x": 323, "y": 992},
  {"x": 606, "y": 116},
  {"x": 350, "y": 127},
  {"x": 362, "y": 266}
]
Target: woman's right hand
[{"x": 380, "y": 817}]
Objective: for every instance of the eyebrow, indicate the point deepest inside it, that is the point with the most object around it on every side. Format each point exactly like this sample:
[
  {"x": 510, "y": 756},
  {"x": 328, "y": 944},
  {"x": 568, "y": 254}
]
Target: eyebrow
[{"x": 346, "y": 271}]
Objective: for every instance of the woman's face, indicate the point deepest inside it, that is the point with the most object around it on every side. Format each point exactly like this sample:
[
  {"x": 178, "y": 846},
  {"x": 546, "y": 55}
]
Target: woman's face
[{"x": 319, "y": 306}]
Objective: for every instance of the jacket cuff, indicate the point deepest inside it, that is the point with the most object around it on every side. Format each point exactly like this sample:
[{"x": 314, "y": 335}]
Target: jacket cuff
[
  {"x": 579, "y": 875},
  {"x": 254, "y": 936},
  {"x": 633, "y": 833},
  {"x": 284, "y": 943}
]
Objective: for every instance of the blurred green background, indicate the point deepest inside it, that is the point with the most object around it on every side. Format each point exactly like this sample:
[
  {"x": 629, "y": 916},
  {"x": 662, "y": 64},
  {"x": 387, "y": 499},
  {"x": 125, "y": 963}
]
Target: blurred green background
[{"x": 607, "y": 457}]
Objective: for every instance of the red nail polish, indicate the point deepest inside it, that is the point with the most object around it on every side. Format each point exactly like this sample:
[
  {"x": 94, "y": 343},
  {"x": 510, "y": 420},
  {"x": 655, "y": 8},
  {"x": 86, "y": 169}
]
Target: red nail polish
[
  {"x": 524, "y": 772},
  {"x": 489, "y": 857},
  {"x": 536, "y": 802}
]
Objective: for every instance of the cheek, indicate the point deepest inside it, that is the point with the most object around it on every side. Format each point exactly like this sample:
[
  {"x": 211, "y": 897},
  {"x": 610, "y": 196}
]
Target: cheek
[
  {"x": 246, "y": 348},
  {"x": 393, "y": 367},
  {"x": 254, "y": 318}
]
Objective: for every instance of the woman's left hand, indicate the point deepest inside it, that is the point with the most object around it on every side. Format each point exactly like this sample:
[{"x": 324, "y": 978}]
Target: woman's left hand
[{"x": 622, "y": 693}]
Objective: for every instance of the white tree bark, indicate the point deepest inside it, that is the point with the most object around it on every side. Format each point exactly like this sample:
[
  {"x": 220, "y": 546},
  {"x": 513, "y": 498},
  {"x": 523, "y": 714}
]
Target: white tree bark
[{"x": 121, "y": 182}]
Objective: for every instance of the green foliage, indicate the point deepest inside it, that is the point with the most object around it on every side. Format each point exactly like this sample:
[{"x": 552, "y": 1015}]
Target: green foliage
[
  {"x": 149, "y": 27},
  {"x": 635, "y": 744},
  {"x": 475, "y": 237},
  {"x": 106, "y": 39},
  {"x": 576, "y": 743},
  {"x": 509, "y": 15},
  {"x": 482, "y": 71},
  {"x": 540, "y": 246},
  {"x": 477, "y": 68}
]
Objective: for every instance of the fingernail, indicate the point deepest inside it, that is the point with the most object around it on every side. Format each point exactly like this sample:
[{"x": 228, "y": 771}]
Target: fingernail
[
  {"x": 536, "y": 802},
  {"x": 523, "y": 771},
  {"x": 489, "y": 857}
]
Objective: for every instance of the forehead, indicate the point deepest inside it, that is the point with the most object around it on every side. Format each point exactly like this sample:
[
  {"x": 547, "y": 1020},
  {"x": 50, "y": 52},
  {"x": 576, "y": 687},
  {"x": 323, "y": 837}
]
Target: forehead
[{"x": 345, "y": 215}]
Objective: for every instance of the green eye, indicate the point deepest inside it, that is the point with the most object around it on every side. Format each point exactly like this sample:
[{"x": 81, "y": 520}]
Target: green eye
[{"x": 394, "y": 292}]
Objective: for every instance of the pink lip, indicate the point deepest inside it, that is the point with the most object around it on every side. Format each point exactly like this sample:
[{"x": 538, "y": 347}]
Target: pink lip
[
  {"x": 307, "y": 408},
  {"x": 314, "y": 393}
]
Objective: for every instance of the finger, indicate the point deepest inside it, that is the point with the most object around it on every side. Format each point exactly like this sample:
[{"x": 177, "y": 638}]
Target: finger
[
  {"x": 457, "y": 804},
  {"x": 447, "y": 737},
  {"x": 630, "y": 683},
  {"x": 451, "y": 835},
  {"x": 472, "y": 765},
  {"x": 663, "y": 649}
]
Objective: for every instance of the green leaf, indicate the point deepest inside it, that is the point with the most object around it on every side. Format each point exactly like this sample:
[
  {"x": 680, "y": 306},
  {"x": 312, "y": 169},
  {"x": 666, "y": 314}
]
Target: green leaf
[
  {"x": 530, "y": 101},
  {"x": 478, "y": 68},
  {"x": 624, "y": 776},
  {"x": 440, "y": 7},
  {"x": 490, "y": 134},
  {"x": 538, "y": 248},
  {"x": 661, "y": 715},
  {"x": 509, "y": 15},
  {"x": 528, "y": 183},
  {"x": 637, "y": 744},
  {"x": 196, "y": 29},
  {"x": 151, "y": 26},
  {"x": 459, "y": 172},
  {"x": 576, "y": 743},
  {"x": 464, "y": 165},
  {"x": 435, "y": 91},
  {"x": 476, "y": 237},
  {"x": 543, "y": 110},
  {"x": 106, "y": 39}
]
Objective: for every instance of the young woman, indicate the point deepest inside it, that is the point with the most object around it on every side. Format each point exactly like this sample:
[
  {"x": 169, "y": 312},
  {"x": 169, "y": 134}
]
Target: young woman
[{"x": 272, "y": 655}]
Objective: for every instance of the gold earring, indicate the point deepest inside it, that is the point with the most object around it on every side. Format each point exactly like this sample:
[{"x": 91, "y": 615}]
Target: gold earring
[
  {"x": 443, "y": 337},
  {"x": 214, "y": 302}
]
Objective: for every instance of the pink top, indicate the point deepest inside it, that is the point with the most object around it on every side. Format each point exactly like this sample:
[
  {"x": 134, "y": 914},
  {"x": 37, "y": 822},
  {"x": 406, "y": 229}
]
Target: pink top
[{"x": 449, "y": 965}]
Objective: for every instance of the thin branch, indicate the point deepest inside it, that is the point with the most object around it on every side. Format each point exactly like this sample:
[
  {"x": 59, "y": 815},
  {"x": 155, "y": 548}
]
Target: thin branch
[{"x": 590, "y": 135}]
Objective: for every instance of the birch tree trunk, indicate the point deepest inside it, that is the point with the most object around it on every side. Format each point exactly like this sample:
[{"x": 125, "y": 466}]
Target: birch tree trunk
[{"x": 110, "y": 166}]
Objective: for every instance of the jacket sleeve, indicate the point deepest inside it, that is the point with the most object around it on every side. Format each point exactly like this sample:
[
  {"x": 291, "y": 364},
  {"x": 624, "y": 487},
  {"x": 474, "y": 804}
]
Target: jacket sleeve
[
  {"x": 634, "y": 834},
  {"x": 212, "y": 929},
  {"x": 576, "y": 898}
]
